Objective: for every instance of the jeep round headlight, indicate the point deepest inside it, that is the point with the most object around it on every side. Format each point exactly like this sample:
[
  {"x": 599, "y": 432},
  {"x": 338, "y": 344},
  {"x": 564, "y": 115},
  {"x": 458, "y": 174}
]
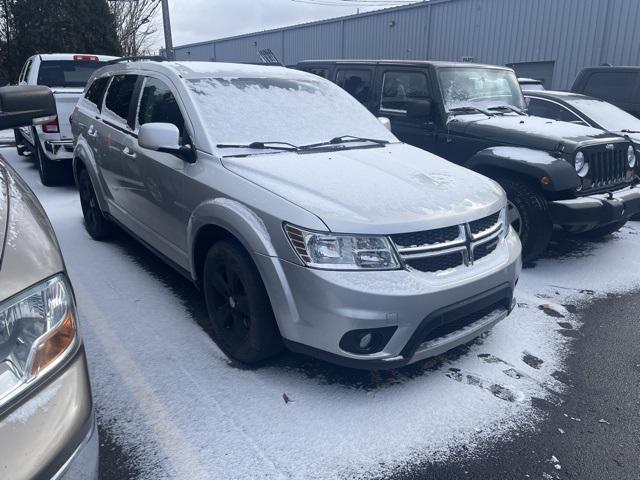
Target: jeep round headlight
[
  {"x": 631, "y": 157},
  {"x": 582, "y": 166},
  {"x": 342, "y": 252}
]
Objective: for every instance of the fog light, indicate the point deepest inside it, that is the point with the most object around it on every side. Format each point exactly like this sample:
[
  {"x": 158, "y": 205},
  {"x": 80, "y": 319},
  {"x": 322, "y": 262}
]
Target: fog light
[{"x": 366, "y": 341}]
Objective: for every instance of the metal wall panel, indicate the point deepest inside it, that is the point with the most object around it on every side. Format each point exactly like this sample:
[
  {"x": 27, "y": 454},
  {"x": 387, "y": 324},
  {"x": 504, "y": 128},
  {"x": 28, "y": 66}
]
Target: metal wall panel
[{"x": 571, "y": 33}]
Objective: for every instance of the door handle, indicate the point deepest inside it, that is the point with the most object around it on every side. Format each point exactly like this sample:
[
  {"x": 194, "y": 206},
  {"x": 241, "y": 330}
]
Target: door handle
[
  {"x": 129, "y": 153},
  {"x": 92, "y": 132}
]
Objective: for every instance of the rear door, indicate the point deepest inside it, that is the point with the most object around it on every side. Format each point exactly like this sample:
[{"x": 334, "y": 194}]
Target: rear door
[
  {"x": 398, "y": 87},
  {"x": 115, "y": 137},
  {"x": 356, "y": 80},
  {"x": 157, "y": 200}
]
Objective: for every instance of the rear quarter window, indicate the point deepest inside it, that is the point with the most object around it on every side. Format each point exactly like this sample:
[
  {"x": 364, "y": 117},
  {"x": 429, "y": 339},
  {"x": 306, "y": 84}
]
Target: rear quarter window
[
  {"x": 614, "y": 86},
  {"x": 95, "y": 92},
  {"x": 119, "y": 96}
]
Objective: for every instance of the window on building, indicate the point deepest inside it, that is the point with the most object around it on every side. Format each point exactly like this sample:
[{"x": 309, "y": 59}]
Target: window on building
[
  {"x": 356, "y": 82},
  {"x": 543, "y": 108},
  {"x": 616, "y": 86},
  {"x": 399, "y": 88},
  {"x": 158, "y": 104},
  {"x": 119, "y": 96}
]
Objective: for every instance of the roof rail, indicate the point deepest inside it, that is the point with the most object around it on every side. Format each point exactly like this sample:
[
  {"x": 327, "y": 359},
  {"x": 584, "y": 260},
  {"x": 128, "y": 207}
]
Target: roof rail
[{"x": 155, "y": 58}]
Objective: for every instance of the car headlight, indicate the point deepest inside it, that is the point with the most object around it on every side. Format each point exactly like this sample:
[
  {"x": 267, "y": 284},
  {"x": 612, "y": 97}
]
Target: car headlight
[
  {"x": 342, "y": 252},
  {"x": 631, "y": 157},
  {"x": 37, "y": 329},
  {"x": 581, "y": 164}
]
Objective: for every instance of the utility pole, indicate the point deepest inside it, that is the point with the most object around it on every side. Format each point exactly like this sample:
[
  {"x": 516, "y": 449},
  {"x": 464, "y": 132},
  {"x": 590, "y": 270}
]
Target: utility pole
[{"x": 166, "y": 22}]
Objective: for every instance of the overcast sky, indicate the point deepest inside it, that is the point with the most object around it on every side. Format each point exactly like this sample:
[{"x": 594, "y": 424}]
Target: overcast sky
[{"x": 200, "y": 20}]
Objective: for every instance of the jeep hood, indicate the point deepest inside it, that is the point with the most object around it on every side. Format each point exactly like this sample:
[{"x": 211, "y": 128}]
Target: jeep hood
[
  {"x": 29, "y": 251},
  {"x": 532, "y": 132},
  {"x": 393, "y": 189}
]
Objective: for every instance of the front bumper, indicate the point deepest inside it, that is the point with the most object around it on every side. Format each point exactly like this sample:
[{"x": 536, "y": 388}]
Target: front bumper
[
  {"x": 52, "y": 434},
  {"x": 586, "y": 213},
  {"x": 428, "y": 313}
]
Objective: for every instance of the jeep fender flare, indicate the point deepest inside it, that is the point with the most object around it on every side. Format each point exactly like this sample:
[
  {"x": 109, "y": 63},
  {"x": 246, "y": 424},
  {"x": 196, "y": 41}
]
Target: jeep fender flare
[
  {"x": 527, "y": 162},
  {"x": 83, "y": 155}
]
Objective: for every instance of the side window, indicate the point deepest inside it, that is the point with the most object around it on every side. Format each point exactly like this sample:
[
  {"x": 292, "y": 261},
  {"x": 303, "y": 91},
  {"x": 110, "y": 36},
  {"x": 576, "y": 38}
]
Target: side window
[
  {"x": 95, "y": 93},
  {"x": 321, "y": 72},
  {"x": 553, "y": 111},
  {"x": 158, "y": 104},
  {"x": 399, "y": 88},
  {"x": 119, "y": 96},
  {"x": 27, "y": 69},
  {"x": 616, "y": 86},
  {"x": 356, "y": 82}
]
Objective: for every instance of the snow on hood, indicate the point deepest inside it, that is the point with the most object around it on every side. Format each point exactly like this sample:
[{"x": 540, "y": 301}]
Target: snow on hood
[
  {"x": 398, "y": 188},
  {"x": 534, "y": 132}
]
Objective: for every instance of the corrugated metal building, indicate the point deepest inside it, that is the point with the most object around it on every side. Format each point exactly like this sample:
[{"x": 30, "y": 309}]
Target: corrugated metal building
[{"x": 546, "y": 39}]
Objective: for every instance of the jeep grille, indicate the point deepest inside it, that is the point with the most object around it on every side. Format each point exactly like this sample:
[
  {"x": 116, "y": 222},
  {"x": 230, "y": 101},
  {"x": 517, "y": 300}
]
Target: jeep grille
[{"x": 607, "y": 168}]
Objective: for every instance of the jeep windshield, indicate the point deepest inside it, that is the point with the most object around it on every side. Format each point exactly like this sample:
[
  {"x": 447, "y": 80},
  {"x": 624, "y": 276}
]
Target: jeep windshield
[
  {"x": 473, "y": 90},
  {"x": 281, "y": 113},
  {"x": 67, "y": 73}
]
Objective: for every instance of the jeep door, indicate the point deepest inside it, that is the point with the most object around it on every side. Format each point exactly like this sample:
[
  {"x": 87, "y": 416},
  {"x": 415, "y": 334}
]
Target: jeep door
[
  {"x": 157, "y": 201},
  {"x": 115, "y": 137},
  {"x": 398, "y": 87}
]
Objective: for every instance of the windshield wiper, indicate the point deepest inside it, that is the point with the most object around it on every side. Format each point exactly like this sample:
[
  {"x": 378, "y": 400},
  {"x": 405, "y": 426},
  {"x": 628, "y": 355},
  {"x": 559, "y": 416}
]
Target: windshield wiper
[
  {"x": 342, "y": 140},
  {"x": 469, "y": 109},
  {"x": 507, "y": 107},
  {"x": 290, "y": 147},
  {"x": 626, "y": 130}
]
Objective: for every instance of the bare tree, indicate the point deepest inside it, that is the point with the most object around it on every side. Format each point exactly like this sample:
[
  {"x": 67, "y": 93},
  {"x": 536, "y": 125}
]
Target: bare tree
[{"x": 134, "y": 24}]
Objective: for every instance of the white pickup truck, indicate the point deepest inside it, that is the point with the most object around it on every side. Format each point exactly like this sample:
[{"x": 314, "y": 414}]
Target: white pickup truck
[{"x": 51, "y": 144}]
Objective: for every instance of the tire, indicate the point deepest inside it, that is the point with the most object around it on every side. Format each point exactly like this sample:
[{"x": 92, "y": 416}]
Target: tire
[
  {"x": 529, "y": 216},
  {"x": 51, "y": 173},
  {"x": 19, "y": 141},
  {"x": 98, "y": 226},
  {"x": 603, "y": 231},
  {"x": 241, "y": 316}
]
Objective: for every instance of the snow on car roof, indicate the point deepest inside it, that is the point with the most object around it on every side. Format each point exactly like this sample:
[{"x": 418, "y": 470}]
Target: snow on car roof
[{"x": 192, "y": 70}]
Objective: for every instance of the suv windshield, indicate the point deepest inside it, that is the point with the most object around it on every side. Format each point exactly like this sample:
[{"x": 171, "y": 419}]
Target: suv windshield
[
  {"x": 297, "y": 111},
  {"x": 66, "y": 73},
  {"x": 608, "y": 116},
  {"x": 479, "y": 88}
]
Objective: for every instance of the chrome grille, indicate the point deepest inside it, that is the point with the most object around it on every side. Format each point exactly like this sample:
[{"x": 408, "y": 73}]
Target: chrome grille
[
  {"x": 607, "y": 167},
  {"x": 446, "y": 248}
]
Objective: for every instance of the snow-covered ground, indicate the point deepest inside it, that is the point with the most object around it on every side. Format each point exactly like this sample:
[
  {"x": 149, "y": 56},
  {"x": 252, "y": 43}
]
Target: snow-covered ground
[
  {"x": 6, "y": 136},
  {"x": 181, "y": 410}
]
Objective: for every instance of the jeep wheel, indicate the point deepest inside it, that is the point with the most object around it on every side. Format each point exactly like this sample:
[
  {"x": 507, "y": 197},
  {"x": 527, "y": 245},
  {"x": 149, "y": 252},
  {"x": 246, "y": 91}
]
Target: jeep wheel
[
  {"x": 98, "y": 226},
  {"x": 51, "y": 173},
  {"x": 529, "y": 217},
  {"x": 603, "y": 231},
  {"x": 239, "y": 309}
]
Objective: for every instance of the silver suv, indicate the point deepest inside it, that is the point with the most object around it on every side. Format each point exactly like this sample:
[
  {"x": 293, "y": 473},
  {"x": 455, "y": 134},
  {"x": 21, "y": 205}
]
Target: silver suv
[{"x": 304, "y": 221}]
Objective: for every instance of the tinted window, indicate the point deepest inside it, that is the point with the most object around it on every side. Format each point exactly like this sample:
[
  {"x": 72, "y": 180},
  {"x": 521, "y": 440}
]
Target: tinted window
[
  {"x": 119, "y": 95},
  {"x": 66, "y": 73},
  {"x": 398, "y": 88},
  {"x": 553, "y": 111},
  {"x": 27, "y": 69},
  {"x": 157, "y": 104},
  {"x": 95, "y": 92},
  {"x": 356, "y": 82},
  {"x": 611, "y": 85},
  {"x": 321, "y": 72}
]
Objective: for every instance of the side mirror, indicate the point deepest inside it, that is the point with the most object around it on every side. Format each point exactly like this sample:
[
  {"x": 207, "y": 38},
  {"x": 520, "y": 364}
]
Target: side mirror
[
  {"x": 164, "y": 137},
  {"x": 26, "y": 105},
  {"x": 386, "y": 123},
  {"x": 420, "y": 109}
]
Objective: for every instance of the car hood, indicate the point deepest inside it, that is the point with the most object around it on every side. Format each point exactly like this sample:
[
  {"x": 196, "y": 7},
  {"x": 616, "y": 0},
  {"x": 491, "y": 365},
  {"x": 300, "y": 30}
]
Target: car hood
[
  {"x": 393, "y": 189},
  {"x": 29, "y": 250},
  {"x": 527, "y": 131}
]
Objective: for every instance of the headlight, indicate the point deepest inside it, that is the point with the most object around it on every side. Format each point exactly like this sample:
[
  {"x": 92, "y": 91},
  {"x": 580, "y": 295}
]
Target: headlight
[
  {"x": 342, "y": 252},
  {"x": 37, "y": 328},
  {"x": 631, "y": 157},
  {"x": 582, "y": 166}
]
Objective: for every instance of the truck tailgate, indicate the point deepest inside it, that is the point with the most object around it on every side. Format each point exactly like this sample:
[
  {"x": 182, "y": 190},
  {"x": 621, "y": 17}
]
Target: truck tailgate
[{"x": 66, "y": 99}]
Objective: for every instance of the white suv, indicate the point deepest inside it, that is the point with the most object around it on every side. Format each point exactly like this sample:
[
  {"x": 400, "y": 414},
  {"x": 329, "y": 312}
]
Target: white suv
[{"x": 52, "y": 143}]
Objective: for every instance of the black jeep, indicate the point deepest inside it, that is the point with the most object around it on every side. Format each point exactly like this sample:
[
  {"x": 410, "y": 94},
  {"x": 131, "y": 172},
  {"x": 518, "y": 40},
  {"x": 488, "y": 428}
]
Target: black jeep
[{"x": 555, "y": 173}]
